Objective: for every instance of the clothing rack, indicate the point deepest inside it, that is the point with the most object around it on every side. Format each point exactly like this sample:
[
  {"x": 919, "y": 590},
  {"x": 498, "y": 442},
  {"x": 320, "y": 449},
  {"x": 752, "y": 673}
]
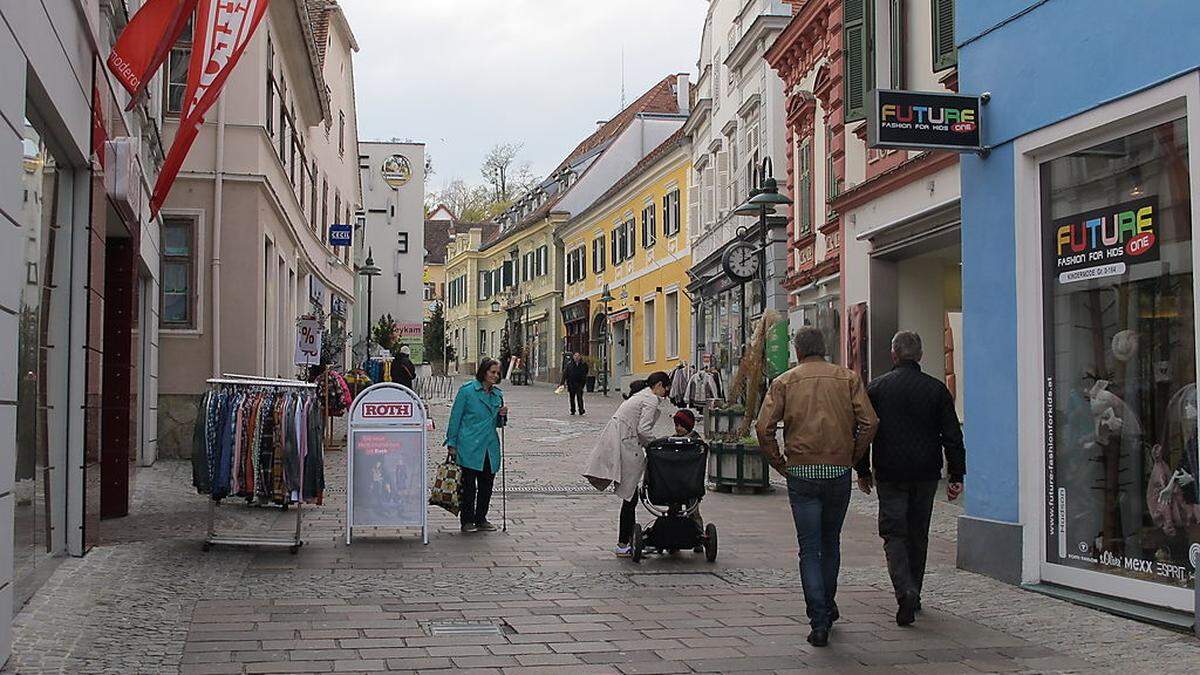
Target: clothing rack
[{"x": 293, "y": 542}]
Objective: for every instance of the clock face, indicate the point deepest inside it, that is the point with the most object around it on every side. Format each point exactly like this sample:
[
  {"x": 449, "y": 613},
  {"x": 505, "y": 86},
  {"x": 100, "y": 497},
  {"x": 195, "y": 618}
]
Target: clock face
[{"x": 741, "y": 261}]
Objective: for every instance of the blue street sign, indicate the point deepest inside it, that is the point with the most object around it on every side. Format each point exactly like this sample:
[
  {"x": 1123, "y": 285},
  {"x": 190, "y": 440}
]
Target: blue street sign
[{"x": 339, "y": 235}]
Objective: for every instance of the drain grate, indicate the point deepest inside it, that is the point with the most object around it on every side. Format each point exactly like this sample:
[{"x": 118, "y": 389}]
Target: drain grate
[
  {"x": 553, "y": 489},
  {"x": 461, "y": 628}
]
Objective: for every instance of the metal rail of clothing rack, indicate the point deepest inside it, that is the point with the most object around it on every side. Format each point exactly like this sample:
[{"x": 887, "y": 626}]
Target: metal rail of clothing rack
[{"x": 213, "y": 538}]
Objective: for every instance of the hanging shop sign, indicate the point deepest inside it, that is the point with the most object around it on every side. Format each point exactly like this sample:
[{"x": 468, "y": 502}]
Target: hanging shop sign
[
  {"x": 397, "y": 171},
  {"x": 1104, "y": 242},
  {"x": 776, "y": 348},
  {"x": 309, "y": 333},
  {"x": 339, "y": 234},
  {"x": 387, "y": 481},
  {"x": 921, "y": 120},
  {"x": 337, "y": 306}
]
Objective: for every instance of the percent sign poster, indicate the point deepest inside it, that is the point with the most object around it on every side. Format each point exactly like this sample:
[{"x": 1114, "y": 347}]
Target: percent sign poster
[{"x": 308, "y": 341}]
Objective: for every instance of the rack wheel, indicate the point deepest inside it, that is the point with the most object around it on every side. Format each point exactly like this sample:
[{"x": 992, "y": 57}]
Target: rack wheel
[
  {"x": 206, "y": 547},
  {"x": 710, "y": 543},
  {"x": 638, "y": 552}
]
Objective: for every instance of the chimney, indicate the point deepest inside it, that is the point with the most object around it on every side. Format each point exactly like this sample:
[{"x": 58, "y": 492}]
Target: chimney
[{"x": 683, "y": 93}]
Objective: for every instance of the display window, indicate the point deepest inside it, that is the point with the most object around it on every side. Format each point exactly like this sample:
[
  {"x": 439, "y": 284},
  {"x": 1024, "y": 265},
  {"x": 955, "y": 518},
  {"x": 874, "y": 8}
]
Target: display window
[{"x": 1120, "y": 381}]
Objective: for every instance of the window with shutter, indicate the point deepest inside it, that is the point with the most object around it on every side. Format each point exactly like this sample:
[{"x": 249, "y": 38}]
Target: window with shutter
[
  {"x": 723, "y": 189},
  {"x": 693, "y": 208},
  {"x": 858, "y": 52},
  {"x": 616, "y": 245},
  {"x": 896, "y": 33},
  {"x": 804, "y": 198},
  {"x": 945, "y": 53},
  {"x": 653, "y": 223}
]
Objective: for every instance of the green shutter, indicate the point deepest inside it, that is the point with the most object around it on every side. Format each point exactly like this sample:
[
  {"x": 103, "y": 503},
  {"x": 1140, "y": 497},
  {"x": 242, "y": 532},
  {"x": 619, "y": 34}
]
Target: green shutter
[
  {"x": 945, "y": 53},
  {"x": 857, "y": 47},
  {"x": 806, "y": 203}
]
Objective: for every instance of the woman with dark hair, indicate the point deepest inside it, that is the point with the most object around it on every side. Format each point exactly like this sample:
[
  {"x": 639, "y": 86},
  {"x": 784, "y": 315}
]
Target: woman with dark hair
[
  {"x": 620, "y": 457},
  {"x": 474, "y": 443}
]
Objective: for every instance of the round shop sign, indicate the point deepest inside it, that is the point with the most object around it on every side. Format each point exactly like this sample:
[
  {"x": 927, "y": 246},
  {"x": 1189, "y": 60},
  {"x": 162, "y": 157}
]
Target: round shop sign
[{"x": 396, "y": 171}]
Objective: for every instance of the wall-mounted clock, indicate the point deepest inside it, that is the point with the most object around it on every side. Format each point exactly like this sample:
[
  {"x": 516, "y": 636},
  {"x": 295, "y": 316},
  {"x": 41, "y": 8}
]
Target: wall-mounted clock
[{"x": 740, "y": 261}]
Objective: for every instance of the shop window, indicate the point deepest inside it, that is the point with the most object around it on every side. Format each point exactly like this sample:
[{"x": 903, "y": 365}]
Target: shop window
[
  {"x": 859, "y": 53},
  {"x": 178, "y": 273},
  {"x": 672, "y": 325},
  {"x": 1120, "y": 363}
]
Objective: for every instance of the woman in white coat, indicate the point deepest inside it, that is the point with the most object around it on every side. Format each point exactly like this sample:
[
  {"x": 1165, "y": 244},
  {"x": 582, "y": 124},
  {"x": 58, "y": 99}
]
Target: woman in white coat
[{"x": 620, "y": 457}]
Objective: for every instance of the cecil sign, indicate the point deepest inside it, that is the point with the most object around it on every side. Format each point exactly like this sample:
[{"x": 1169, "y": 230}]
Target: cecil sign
[
  {"x": 923, "y": 121},
  {"x": 1104, "y": 242}
]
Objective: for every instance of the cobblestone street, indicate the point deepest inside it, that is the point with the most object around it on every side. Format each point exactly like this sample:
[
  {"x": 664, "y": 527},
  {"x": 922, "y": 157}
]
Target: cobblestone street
[{"x": 546, "y": 596}]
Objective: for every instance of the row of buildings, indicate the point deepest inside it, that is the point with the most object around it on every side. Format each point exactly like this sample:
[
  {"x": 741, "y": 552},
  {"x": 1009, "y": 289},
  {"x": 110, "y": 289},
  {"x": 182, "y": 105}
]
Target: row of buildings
[
  {"x": 113, "y": 320},
  {"x": 1070, "y": 348}
]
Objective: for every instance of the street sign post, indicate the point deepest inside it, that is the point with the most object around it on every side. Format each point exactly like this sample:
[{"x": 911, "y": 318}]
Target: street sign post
[
  {"x": 386, "y": 477},
  {"x": 340, "y": 234},
  {"x": 919, "y": 120}
]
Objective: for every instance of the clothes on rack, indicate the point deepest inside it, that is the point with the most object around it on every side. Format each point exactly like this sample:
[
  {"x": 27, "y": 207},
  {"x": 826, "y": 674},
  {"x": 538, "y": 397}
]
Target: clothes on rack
[
  {"x": 333, "y": 388},
  {"x": 261, "y": 443},
  {"x": 701, "y": 388},
  {"x": 680, "y": 376}
]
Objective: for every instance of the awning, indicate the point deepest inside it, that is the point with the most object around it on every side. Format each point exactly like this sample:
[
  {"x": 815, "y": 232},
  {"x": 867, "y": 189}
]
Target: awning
[
  {"x": 620, "y": 315},
  {"x": 575, "y": 312}
]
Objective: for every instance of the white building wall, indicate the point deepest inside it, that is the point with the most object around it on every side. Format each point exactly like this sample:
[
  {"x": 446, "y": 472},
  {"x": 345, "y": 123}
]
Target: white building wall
[{"x": 390, "y": 213}]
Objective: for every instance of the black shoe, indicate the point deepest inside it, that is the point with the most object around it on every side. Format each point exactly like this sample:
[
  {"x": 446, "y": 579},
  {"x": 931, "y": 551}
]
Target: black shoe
[
  {"x": 467, "y": 528},
  {"x": 907, "y": 613},
  {"x": 819, "y": 637},
  {"x": 485, "y": 526},
  {"x": 918, "y": 607},
  {"x": 834, "y": 615},
  {"x": 572, "y": 412}
]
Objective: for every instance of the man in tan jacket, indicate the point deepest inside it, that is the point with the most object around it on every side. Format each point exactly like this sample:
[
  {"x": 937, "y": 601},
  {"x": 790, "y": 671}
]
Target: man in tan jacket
[{"x": 828, "y": 424}]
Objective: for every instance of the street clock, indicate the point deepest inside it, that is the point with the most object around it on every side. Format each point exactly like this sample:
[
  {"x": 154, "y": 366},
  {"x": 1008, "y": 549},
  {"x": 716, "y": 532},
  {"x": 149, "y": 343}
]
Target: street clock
[{"x": 740, "y": 261}]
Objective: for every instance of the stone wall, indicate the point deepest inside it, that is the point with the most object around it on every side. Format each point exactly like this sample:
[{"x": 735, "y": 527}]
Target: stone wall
[{"x": 176, "y": 417}]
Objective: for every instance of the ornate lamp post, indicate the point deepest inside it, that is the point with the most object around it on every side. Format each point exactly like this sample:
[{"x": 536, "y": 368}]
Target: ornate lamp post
[
  {"x": 764, "y": 198},
  {"x": 370, "y": 271},
  {"x": 605, "y": 298},
  {"x": 525, "y": 335}
]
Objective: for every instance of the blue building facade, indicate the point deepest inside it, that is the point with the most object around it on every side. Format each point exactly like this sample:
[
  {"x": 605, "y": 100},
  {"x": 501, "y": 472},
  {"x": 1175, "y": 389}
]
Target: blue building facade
[{"x": 1079, "y": 298}]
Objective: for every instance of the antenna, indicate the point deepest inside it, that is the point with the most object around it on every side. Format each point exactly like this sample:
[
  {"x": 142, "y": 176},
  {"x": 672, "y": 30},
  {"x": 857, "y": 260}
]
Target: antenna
[{"x": 622, "y": 77}]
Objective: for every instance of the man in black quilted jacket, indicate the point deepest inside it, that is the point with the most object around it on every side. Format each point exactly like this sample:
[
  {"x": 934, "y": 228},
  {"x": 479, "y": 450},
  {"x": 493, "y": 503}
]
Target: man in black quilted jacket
[{"x": 917, "y": 426}]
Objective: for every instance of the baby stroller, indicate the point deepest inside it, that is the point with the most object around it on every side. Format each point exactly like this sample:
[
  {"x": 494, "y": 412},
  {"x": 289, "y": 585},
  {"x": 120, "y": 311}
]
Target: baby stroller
[{"x": 672, "y": 490}]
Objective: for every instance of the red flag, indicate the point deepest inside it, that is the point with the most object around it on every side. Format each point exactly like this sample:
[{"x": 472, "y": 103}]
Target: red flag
[
  {"x": 146, "y": 42},
  {"x": 221, "y": 33}
]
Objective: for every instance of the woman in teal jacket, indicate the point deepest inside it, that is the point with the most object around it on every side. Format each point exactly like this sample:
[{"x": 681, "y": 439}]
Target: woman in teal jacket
[{"x": 471, "y": 436}]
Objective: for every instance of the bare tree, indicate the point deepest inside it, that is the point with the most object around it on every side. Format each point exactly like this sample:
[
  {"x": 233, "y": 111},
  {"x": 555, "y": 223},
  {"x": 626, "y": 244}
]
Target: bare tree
[
  {"x": 497, "y": 168},
  {"x": 471, "y": 203}
]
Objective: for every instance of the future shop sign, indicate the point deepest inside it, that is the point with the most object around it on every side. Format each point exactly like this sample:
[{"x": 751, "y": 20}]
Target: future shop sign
[{"x": 920, "y": 120}]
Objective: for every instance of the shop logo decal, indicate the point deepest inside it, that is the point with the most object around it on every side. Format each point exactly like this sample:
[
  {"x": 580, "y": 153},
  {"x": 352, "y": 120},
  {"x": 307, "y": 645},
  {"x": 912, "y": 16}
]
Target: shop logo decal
[
  {"x": 397, "y": 171},
  {"x": 1083, "y": 547},
  {"x": 928, "y": 117},
  {"x": 1194, "y": 555},
  {"x": 1104, "y": 242},
  {"x": 387, "y": 410}
]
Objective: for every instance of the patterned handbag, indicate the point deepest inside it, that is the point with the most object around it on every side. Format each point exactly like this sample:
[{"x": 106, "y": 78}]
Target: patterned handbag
[{"x": 444, "y": 492}]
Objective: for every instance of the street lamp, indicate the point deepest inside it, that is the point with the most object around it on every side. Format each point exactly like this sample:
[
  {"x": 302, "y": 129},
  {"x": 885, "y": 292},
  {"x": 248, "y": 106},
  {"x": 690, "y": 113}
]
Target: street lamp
[
  {"x": 764, "y": 198},
  {"x": 370, "y": 271},
  {"x": 605, "y": 298}
]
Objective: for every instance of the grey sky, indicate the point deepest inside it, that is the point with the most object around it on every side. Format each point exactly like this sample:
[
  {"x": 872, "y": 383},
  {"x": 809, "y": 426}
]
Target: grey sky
[{"x": 462, "y": 75}]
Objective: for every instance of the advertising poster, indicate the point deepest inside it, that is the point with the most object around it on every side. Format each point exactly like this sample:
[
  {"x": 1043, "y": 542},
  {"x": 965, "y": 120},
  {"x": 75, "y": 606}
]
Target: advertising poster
[
  {"x": 777, "y": 349},
  {"x": 389, "y": 479},
  {"x": 1102, "y": 243},
  {"x": 413, "y": 335}
]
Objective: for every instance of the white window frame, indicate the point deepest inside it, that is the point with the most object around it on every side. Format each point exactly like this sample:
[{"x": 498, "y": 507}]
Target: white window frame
[
  {"x": 650, "y": 329},
  {"x": 671, "y": 332},
  {"x": 1138, "y": 112}
]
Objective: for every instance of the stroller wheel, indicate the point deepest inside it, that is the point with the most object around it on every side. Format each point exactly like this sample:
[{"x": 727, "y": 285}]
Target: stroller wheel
[
  {"x": 710, "y": 543},
  {"x": 638, "y": 551}
]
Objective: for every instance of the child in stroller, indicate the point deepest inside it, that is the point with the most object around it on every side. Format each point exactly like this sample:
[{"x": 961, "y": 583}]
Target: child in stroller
[{"x": 672, "y": 489}]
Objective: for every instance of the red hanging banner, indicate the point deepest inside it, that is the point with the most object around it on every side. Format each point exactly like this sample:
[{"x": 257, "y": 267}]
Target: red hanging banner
[
  {"x": 222, "y": 31},
  {"x": 146, "y": 41}
]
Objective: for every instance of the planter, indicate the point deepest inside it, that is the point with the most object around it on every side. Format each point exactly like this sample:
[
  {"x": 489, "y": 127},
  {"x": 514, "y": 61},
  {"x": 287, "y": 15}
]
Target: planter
[
  {"x": 590, "y": 384},
  {"x": 738, "y": 466}
]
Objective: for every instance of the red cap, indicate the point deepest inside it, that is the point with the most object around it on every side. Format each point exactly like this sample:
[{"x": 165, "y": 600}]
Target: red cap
[{"x": 686, "y": 419}]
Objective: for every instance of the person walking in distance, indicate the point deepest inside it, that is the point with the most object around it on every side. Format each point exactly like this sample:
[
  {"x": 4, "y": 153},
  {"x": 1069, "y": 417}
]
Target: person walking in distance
[
  {"x": 404, "y": 371},
  {"x": 917, "y": 425},
  {"x": 828, "y": 423},
  {"x": 574, "y": 377},
  {"x": 474, "y": 442}
]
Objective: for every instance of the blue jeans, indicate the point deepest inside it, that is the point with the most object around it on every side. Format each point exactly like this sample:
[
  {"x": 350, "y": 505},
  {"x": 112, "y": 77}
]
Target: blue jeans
[{"x": 819, "y": 509}]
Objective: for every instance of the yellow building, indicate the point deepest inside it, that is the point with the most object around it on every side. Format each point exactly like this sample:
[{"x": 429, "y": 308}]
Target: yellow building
[
  {"x": 505, "y": 289},
  {"x": 633, "y": 241}
]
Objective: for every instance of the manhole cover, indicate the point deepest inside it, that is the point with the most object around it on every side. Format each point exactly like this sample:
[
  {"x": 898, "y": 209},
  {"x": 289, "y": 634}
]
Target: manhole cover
[
  {"x": 684, "y": 579},
  {"x": 457, "y": 628}
]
